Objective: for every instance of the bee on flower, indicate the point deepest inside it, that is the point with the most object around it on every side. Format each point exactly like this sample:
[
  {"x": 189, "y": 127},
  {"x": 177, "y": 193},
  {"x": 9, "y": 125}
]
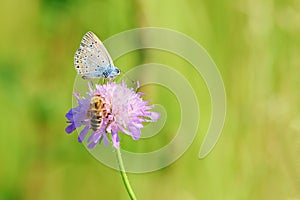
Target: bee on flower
[{"x": 108, "y": 109}]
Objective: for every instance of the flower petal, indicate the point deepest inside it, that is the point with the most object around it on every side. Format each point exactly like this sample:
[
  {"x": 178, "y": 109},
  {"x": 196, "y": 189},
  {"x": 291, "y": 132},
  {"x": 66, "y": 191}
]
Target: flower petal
[
  {"x": 69, "y": 115},
  {"x": 154, "y": 116},
  {"x": 70, "y": 128},
  {"x": 124, "y": 130},
  {"x": 105, "y": 139},
  {"x": 115, "y": 139},
  {"x": 91, "y": 137},
  {"x": 97, "y": 136},
  {"x": 135, "y": 132},
  {"x": 76, "y": 95},
  {"x": 92, "y": 145},
  {"x": 83, "y": 134}
]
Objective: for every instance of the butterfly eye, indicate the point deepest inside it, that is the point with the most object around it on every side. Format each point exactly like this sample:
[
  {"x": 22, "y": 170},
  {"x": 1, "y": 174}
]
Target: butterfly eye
[{"x": 118, "y": 71}]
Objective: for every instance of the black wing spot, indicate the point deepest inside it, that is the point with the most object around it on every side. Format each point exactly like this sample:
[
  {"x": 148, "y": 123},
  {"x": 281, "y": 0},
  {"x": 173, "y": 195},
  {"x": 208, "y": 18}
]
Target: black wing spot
[
  {"x": 103, "y": 61},
  {"x": 77, "y": 66}
]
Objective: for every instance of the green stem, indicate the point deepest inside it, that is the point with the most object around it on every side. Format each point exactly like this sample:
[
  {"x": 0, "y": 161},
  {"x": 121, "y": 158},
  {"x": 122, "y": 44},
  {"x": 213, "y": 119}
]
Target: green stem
[{"x": 124, "y": 176}]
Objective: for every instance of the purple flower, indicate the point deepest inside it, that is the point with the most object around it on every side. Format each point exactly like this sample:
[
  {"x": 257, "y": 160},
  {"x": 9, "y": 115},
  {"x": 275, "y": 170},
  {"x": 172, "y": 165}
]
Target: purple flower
[{"x": 108, "y": 109}]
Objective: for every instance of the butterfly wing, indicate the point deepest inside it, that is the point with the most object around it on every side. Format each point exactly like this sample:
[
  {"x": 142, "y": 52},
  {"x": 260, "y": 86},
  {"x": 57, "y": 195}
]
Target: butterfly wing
[{"x": 91, "y": 59}]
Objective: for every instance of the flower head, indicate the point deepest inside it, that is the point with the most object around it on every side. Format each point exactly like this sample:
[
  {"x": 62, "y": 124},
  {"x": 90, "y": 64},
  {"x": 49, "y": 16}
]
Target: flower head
[{"x": 108, "y": 109}]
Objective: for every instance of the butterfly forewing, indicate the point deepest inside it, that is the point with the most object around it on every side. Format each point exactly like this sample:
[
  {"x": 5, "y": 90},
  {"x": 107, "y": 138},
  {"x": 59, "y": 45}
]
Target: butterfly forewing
[{"x": 91, "y": 59}]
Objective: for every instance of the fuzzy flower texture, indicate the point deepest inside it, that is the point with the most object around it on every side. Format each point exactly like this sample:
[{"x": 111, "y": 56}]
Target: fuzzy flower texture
[{"x": 108, "y": 109}]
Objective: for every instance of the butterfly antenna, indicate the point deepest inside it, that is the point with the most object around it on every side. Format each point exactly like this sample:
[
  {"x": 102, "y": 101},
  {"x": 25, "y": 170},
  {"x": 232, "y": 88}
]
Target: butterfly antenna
[
  {"x": 132, "y": 81},
  {"x": 127, "y": 77},
  {"x": 91, "y": 85},
  {"x": 101, "y": 81}
]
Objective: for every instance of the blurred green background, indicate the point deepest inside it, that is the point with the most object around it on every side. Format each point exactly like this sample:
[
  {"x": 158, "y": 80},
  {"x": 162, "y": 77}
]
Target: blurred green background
[{"x": 255, "y": 44}]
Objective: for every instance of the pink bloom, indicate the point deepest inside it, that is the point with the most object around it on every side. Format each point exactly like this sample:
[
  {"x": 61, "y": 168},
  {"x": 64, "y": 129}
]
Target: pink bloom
[{"x": 123, "y": 110}]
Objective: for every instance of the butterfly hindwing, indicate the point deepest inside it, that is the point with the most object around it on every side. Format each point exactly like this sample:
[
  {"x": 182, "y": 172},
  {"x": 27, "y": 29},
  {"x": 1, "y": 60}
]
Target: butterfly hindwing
[{"x": 91, "y": 59}]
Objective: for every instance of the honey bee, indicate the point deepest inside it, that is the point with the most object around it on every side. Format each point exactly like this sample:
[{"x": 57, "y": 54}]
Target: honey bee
[{"x": 97, "y": 112}]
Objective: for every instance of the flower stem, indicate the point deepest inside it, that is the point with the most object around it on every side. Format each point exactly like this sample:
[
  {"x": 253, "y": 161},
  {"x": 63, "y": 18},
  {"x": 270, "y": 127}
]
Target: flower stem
[{"x": 124, "y": 176}]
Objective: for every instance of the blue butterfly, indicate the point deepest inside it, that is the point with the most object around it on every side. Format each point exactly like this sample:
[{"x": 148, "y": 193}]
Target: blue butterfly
[{"x": 92, "y": 60}]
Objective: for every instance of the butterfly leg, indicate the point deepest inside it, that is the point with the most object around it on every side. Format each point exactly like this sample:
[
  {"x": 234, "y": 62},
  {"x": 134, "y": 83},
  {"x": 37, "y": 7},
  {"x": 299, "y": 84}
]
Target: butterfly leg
[{"x": 101, "y": 81}]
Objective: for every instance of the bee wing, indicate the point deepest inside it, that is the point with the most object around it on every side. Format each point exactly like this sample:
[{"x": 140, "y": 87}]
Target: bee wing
[{"x": 91, "y": 58}]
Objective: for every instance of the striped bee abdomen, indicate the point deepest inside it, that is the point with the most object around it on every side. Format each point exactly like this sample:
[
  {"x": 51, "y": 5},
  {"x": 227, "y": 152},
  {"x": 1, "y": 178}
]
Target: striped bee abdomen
[{"x": 96, "y": 112}]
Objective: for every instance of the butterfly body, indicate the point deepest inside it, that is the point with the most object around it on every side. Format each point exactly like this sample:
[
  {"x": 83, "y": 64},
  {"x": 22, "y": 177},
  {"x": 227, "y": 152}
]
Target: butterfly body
[{"x": 92, "y": 60}]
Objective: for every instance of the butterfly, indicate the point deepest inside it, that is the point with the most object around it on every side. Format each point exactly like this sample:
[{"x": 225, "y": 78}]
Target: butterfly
[{"x": 91, "y": 60}]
